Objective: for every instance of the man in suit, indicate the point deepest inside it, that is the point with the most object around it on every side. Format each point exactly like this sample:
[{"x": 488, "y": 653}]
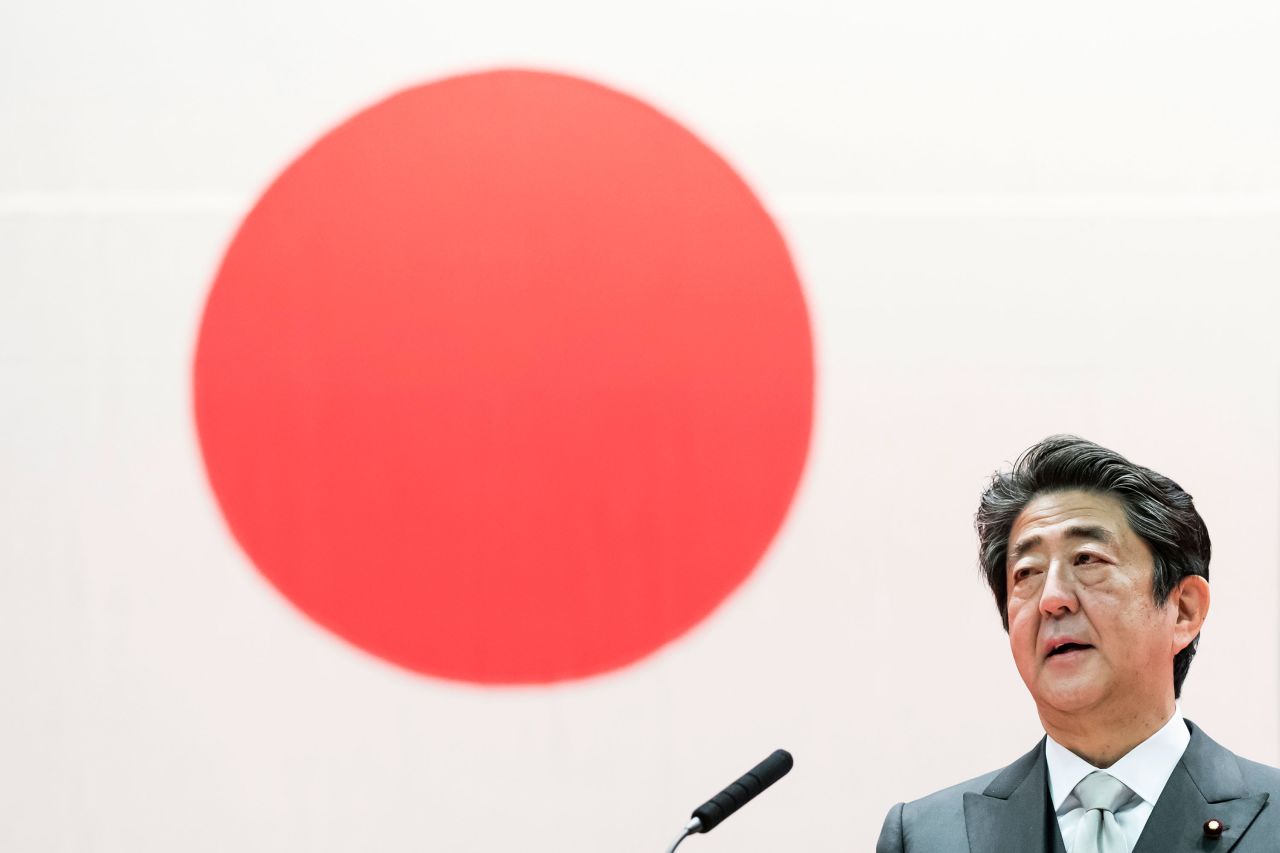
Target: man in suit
[{"x": 1100, "y": 571}]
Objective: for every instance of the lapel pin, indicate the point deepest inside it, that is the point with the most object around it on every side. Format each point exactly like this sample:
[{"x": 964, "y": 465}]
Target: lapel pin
[{"x": 1213, "y": 828}]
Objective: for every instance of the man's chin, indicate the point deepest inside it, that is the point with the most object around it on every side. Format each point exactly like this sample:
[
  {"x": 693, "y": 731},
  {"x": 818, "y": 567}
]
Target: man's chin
[{"x": 1068, "y": 695}]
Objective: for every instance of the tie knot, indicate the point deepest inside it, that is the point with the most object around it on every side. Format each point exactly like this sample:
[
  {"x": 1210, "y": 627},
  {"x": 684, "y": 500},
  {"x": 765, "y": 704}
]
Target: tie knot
[{"x": 1103, "y": 791}]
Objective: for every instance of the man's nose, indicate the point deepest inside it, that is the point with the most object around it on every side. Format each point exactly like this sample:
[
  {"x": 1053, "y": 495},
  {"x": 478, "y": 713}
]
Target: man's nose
[{"x": 1058, "y": 595}]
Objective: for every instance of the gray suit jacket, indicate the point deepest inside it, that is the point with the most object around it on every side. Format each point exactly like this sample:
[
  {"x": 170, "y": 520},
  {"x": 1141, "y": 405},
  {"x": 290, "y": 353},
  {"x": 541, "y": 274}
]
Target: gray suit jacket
[{"x": 1008, "y": 811}]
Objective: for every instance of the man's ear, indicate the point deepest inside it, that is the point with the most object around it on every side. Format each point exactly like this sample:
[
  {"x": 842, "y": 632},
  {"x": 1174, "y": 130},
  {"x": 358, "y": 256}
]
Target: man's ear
[{"x": 1191, "y": 600}]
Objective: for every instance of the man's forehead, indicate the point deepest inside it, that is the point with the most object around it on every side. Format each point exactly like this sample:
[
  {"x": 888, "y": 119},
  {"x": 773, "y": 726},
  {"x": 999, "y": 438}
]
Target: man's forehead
[{"x": 1064, "y": 513}]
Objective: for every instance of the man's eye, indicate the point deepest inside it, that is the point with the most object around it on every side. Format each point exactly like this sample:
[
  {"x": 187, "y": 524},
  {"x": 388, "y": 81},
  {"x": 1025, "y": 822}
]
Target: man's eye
[
  {"x": 1021, "y": 574},
  {"x": 1081, "y": 559}
]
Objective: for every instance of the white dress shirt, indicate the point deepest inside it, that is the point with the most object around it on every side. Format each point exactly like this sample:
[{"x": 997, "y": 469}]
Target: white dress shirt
[{"x": 1144, "y": 769}]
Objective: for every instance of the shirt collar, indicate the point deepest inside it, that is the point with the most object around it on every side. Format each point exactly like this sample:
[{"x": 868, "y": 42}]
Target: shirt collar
[{"x": 1144, "y": 769}]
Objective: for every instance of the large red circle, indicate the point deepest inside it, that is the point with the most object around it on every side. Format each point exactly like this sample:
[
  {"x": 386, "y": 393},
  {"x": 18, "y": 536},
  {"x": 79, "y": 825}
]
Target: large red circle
[{"x": 507, "y": 379}]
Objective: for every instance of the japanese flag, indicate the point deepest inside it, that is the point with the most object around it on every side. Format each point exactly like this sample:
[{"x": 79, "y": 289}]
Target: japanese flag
[{"x": 499, "y": 426}]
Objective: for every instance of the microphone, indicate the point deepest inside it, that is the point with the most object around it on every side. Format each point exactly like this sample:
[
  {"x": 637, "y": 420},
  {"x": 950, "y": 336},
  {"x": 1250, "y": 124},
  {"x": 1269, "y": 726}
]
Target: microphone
[{"x": 710, "y": 814}]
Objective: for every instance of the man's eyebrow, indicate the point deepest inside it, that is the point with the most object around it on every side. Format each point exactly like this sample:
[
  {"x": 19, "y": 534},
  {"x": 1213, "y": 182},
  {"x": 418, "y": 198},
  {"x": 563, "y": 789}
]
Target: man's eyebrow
[{"x": 1090, "y": 532}]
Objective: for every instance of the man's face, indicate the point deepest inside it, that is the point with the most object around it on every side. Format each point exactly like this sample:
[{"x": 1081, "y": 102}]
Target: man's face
[{"x": 1084, "y": 627}]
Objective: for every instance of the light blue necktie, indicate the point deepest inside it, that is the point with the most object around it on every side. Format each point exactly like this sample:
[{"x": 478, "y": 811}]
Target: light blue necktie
[{"x": 1098, "y": 831}]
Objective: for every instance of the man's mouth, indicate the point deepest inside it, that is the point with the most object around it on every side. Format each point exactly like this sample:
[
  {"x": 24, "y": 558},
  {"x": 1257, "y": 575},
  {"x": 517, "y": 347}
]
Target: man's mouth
[{"x": 1068, "y": 648}]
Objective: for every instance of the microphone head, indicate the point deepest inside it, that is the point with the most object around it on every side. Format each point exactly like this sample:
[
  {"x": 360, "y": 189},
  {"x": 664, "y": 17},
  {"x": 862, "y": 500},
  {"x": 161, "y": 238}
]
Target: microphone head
[
  {"x": 777, "y": 765},
  {"x": 737, "y": 795}
]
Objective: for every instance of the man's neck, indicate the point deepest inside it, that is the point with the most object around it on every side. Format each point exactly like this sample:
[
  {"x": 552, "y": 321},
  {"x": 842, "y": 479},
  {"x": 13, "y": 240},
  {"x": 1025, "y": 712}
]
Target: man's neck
[{"x": 1102, "y": 738}]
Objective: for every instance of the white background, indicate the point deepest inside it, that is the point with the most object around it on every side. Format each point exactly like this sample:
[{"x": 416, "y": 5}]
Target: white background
[{"x": 1010, "y": 219}]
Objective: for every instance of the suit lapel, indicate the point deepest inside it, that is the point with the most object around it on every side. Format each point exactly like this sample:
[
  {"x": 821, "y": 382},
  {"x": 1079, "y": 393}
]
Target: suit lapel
[
  {"x": 1013, "y": 812},
  {"x": 1205, "y": 784}
]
